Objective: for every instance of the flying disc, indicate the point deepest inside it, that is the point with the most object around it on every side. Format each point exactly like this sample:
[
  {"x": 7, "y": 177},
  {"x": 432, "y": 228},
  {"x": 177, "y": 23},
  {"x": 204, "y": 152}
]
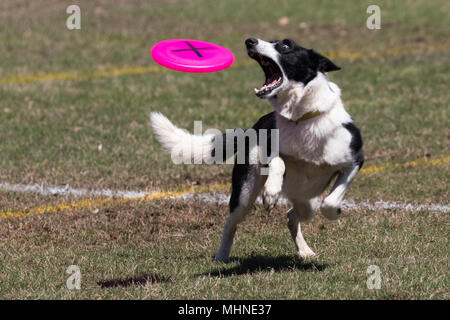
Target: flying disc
[{"x": 188, "y": 55}]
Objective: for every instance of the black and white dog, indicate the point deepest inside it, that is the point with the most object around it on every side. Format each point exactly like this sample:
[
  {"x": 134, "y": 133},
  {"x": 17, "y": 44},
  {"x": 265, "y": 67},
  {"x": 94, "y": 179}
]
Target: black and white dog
[{"x": 317, "y": 142}]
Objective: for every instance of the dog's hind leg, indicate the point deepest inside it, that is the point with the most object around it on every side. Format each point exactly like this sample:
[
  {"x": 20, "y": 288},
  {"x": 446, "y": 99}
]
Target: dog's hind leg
[
  {"x": 301, "y": 211},
  {"x": 246, "y": 185},
  {"x": 331, "y": 206},
  {"x": 332, "y": 203}
]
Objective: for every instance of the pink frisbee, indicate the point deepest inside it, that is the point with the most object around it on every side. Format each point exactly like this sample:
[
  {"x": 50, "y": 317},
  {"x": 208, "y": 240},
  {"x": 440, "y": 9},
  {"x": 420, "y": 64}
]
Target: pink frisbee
[{"x": 191, "y": 55}]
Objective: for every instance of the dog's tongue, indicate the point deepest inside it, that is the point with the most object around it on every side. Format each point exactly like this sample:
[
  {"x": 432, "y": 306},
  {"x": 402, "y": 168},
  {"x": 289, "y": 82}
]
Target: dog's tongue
[
  {"x": 272, "y": 83},
  {"x": 266, "y": 87}
]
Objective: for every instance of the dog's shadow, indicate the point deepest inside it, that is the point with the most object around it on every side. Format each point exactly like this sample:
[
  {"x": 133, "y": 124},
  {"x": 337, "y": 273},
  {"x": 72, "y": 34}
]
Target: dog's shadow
[
  {"x": 259, "y": 263},
  {"x": 133, "y": 281},
  {"x": 250, "y": 265}
]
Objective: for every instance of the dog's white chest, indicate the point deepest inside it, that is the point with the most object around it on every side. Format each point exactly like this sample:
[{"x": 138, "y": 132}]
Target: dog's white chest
[{"x": 317, "y": 142}]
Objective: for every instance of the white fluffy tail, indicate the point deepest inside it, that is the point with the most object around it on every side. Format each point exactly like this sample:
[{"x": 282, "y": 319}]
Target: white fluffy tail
[{"x": 183, "y": 146}]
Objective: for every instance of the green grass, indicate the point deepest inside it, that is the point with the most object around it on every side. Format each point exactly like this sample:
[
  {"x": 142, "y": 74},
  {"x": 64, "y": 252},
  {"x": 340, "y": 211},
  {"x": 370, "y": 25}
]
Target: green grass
[
  {"x": 51, "y": 132},
  {"x": 173, "y": 244}
]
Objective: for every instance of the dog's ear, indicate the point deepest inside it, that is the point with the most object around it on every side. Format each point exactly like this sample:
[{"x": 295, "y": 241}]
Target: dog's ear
[{"x": 322, "y": 63}]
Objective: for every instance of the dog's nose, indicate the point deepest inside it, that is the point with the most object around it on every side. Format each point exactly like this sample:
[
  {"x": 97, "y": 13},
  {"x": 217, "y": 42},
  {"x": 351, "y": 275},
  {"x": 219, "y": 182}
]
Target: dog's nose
[{"x": 251, "y": 42}]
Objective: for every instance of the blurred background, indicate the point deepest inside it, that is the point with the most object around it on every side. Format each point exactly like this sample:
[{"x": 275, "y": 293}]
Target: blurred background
[{"x": 66, "y": 92}]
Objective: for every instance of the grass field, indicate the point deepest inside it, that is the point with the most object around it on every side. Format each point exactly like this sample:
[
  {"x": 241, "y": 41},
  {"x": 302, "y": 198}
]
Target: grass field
[{"x": 74, "y": 109}]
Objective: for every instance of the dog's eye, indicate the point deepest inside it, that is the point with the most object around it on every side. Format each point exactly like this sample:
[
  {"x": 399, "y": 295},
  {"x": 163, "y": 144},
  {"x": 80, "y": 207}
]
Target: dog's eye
[{"x": 285, "y": 45}]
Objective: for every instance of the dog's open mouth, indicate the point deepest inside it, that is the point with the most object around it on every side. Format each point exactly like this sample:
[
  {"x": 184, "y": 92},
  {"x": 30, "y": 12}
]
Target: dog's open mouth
[{"x": 274, "y": 76}]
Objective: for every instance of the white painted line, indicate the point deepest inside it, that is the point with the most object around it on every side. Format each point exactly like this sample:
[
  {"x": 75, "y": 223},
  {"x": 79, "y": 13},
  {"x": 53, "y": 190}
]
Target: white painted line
[
  {"x": 66, "y": 190},
  {"x": 220, "y": 198}
]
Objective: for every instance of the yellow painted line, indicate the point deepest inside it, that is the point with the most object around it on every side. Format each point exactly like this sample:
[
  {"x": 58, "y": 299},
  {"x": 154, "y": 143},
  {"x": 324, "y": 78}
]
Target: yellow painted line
[
  {"x": 82, "y": 75},
  {"x": 340, "y": 54},
  {"x": 90, "y": 203},
  {"x": 95, "y": 74},
  {"x": 390, "y": 52},
  {"x": 415, "y": 163}
]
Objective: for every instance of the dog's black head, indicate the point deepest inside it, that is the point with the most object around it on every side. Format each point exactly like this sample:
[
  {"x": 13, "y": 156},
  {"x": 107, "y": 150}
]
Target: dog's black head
[{"x": 284, "y": 61}]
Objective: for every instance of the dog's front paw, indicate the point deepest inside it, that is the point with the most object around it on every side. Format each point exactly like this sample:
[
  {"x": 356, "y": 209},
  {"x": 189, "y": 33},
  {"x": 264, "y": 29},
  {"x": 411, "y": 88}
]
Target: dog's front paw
[
  {"x": 270, "y": 199},
  {"x": 306, "y": 253},
  {"x": 330, "y": 211},
  {"x": 221, "y": 258}
]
